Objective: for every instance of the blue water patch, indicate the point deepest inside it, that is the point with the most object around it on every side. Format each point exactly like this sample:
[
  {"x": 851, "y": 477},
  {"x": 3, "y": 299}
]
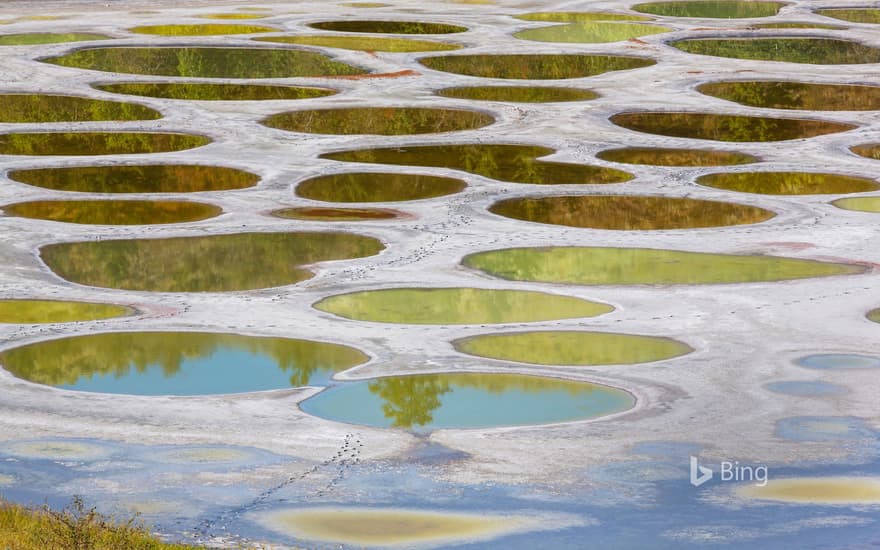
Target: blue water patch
[
  {"x": 806, "y": 388},
  {"x": 833, "y": 361},
  {"x": 826, "y": 429}
]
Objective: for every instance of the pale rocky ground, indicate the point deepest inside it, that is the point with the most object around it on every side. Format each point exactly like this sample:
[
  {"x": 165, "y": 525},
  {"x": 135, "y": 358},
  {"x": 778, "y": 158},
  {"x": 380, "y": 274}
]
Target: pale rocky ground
[{"x": 745, "y": 335}]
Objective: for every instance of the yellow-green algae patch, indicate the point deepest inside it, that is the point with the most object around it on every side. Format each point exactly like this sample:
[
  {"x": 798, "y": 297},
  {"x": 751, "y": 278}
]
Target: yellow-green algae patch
[
  {"x": 206, "y": 62},
  {"x": 377, "y": 187},
  {"x": 201, "y": 30},
  {"x": 718, "y": 127},
  {"x": 796, "y": 95},
  {"x": 815, "y": 51},
  {"x": 644, "y": 266},
  {"x": 853, "y": 15},
  {"x": 203, "y": 455},
  {"x": 518, "y": 94},
  {"x": 52, "y": 311},
  {"x": 201, "y": 91},
  {"x": 65, "y": 108},
  {"x": 579, "y": 16},
  {"x": 505, "y": 162},
  {"x": 386, "y": 121},
  {"x": 389, "y": 526},
  {"x": 96, "y": 143},
  {"x": 869, "y": 150},
  {"x": 534, "y": 66},
  {"x": 712, "y": 9},
  {"x": 788, "y": 183},
  {"x": 56, "y": 450},
  {"x": 874, "y": 315},
  {"x": 629, "y": 212},
  {"x": 149, "y": 178},
  {"x": 388, "y": 27},
  {"x": 859, "y": 204},
  {"x": 114, "y": 212},
  {"x": 575, "y": 348},
  {"x": 795, "y": 25},
  {"x": 661, "y": 156},
  {"x": 216, "y": 263},
  {"x": 30, "y": 39},
  {"x": 593, "y": 32},
  {"x": 448, "y": 306},
  {"x": 311, "y": 213},
  {"x": 364, "y": 43},
  {"x": 233, "y": 16},
  {"x": 816, "y": 490}
]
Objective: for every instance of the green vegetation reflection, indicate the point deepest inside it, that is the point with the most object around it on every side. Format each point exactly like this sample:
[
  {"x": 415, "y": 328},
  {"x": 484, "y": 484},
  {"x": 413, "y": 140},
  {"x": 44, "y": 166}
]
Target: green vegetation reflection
[
  {"x": 201, "y": 30},
  {"x": 518, "y": 94},
  {"x": 114, "y": 212},
  {"x": 629, "y": 212},
  {"x": 214, "y": 92},
  {"x": 797, "y": 95},
  {"x": 388, "y": 27},
  {"x": 644, "y": 266},
  {"x": 513, "y": 163},
  {"x": 659, "y": 156},
  {"x": 789, "y": 183},
  {"x": 309, "y": 213},
  {"x": 156, "y": 178},
  {"x": 816, "y": 51},
  {"x": 52, "y": 311},
  {"x": 579, "y": 16},
  {"x": 859, "y": 204},
  {"x": 65, "y": 108},
  {"x": 217, "y": 263},
  {"x": 534, "y": 66},
  {"x": 208, "y": 62},
  {"x": 96, "y": 143},
  {"x": 712, "y": 9},
  {"x": 594, "y": 32},
  {"x": 30, "y": 39},
  {"x": 460, "y": 401},
  {"x": 738, "y": 128},
  {"x": 386, "y": 121},
  {"x": 364, "y": 43},
  {"x": 575, "y": 348},
  {"x": 178, "y": 363},
  {"x": 854, "y": 15},
  {"x": 377, "y": 187},
  {"x": 452, "y": 306}
]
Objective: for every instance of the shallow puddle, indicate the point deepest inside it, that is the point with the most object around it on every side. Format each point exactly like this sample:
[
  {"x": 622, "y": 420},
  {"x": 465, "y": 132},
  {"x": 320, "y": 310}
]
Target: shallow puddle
[
  {"x": 806, "y": 388},
  {"x": 207, "y": 62},
  {"x": 460, "y": 401},
  {"x": 575, "y": 348},
  {"x": 505, "y": 162},
  {"x": 388, "y": 27},
  {"x": 711, "y": 9},
  {"x": 518, "y": 94},
  {"x": 853, "y": 15},
  {"x": 114, "y": 212},
  {"x": 719, "y": 127},
  {"x": 835, "y": 361},
  {"x": 388, "y": 526},
  {"x": 57, "y": 450},
  {"x": 201, "y": 30},
  {"x": 871, "y": 150},
  {"x": 239, "y": 261},
  {"x": 816, "y": 51},
  {"x": 386, "y": 121},
  {"x": 797, "y": 95},
  {"x": 534, "y": 66},
  {"x": 637, "y": 266},
  {"x": 364, "y": 43},
  {"x": 96, "y": 143},
  {"x": 30, "y": 39},
  {"x": 579, "y": 16},
  {"x": 233, "y": 16},
  {"x": 377, "y": 187},
  {"x": 789, "y": 183},
  {"x": 214, "y": 92},
  {"x": 859, "y": 204},
  {"x": 659, "y": 156},
  {"x": 874, "y": 315},
  {"x": 52, "y": 311},
  {"x": 816, "y": 490},
  {"x": 593, "y": 32},
  {"x": 65, "y": 108},
  {"x": 629, "y": 212},
  {"x": 178, "y": 363},
  {"x": 150, "y": 178},
  {"x": 336, "y": 214},
  {"x": 450, "y": 306}
]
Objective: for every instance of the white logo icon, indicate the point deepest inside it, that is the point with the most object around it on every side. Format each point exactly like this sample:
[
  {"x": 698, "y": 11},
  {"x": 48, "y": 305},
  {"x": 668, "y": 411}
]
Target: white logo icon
[{"x": 699, "y": 474}]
